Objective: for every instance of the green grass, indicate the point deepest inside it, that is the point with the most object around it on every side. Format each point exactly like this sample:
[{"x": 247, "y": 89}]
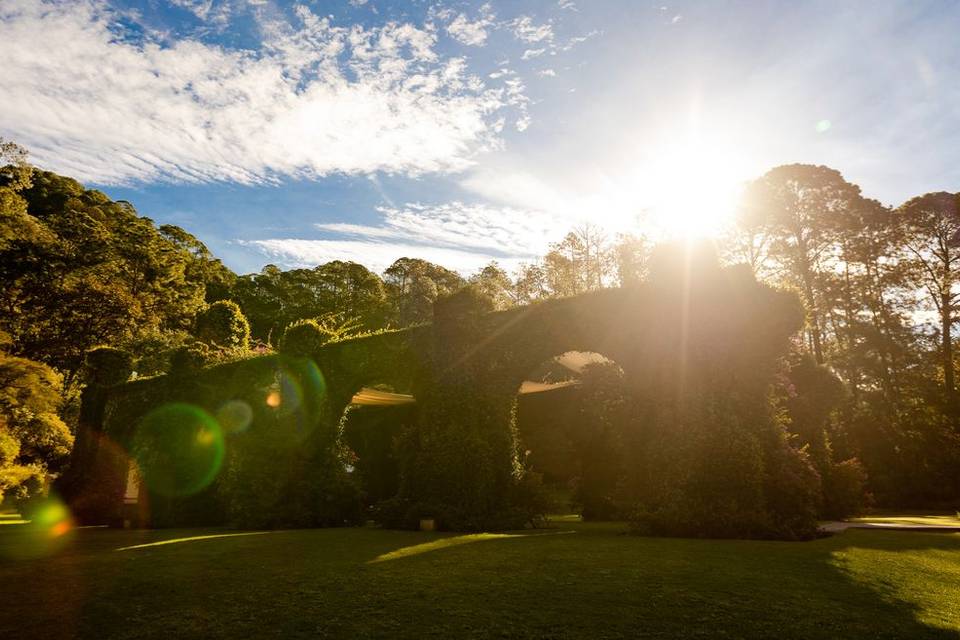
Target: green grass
[{"x": 592, "y": 583}]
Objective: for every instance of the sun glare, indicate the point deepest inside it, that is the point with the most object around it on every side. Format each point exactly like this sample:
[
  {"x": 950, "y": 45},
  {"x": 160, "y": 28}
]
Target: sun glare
[{"x": 691, "y": 189}]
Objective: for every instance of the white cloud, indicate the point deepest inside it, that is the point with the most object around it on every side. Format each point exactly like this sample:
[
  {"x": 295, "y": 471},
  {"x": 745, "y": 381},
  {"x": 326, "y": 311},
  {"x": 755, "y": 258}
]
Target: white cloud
[
  {"x": 547, "y": 73},
  {"x": 457, "y": 235},
  {"x": 474, "y": 32},
  {"x": 199, "y": 8},
  {"x": 315, "y": 99},
  {"x": 376, "y": 256},
  {"x": 568, "y": 5},
  {"x": 533, "y": 53},
  {"x": 526, "y": 30},
  {"x": 474, "y": 227}
]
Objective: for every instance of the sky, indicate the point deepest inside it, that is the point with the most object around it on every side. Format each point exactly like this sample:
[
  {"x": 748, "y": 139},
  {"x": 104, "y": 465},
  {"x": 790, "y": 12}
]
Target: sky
[{"x": 463, "y": 132}]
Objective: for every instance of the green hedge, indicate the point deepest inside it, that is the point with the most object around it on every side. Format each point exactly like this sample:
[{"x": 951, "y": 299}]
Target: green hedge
[{"x": 703, "y": 451}]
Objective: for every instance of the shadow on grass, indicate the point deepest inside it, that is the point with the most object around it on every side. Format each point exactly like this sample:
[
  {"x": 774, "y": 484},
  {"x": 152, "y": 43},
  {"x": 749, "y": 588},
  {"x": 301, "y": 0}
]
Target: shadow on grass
[{"x": 596, "y": 584}]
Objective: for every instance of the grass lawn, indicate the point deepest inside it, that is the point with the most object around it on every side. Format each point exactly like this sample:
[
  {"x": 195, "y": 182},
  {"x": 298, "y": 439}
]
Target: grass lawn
[{"x": 574, "y": 581}]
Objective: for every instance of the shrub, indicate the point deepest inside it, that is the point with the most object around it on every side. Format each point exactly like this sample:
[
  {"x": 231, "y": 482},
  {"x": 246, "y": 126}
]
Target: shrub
[
  {"x": 189, "y": 359},
  {"x": 106, "y": 366},
  {"x": 844, "y": 489},
  {"x": 792, "y": 491},
  {"x": 223, "y": 324},
  {"x": 304, "y": 338}
]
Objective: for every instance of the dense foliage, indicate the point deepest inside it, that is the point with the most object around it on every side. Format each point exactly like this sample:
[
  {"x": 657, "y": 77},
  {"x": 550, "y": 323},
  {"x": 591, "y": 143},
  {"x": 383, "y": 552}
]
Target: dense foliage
[
  {"x": 78, "y": 270},
  {"x": 223, "y": 324},
  {"x": 862, "y": 406},
  {"x": 34, "y": 442}
]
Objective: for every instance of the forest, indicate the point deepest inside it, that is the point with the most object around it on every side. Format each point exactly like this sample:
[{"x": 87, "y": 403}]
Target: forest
[{"x": 867, "y": 393}]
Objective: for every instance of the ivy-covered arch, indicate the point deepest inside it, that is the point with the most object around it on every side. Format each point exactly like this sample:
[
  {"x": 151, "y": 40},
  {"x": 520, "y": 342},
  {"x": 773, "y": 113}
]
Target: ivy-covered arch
[{"x": 698, "y": 345}]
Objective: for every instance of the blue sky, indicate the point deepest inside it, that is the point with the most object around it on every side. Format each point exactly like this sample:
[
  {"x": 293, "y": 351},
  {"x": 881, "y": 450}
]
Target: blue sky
[{"x": 296, "y": 133}]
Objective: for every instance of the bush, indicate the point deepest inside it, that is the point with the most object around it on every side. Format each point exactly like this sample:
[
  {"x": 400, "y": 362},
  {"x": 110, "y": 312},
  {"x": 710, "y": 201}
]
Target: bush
[
  {"x": 792, "y": 491},
  {"x": 106, "y": 366},
  {"x": 304, "y": 338},
  {"x": 844, "y": 490},
  {"x": 189, "y": 359},
  {"x": 223, "y": 324}
]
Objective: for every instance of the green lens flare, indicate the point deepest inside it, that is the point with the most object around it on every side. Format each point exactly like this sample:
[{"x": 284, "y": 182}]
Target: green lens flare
[
  {"x": 179, "y": 448},
  {"x": 235, "y": 416},
  {"x": 49, "y": 529}
]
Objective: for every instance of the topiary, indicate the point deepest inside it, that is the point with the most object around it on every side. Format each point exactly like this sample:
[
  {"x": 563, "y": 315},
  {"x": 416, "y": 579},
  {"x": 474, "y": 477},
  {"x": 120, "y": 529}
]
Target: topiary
[
  {"x": 304, "y": 338},
  {"x": 189, "y": 359},
  {"x": 106, "y": 366},
  {"x": 223, "y": 324}
]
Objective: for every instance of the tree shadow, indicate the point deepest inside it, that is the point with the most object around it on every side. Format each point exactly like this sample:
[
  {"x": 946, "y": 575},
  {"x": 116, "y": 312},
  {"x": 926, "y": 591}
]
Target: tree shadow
[{"x": 598, "y": 583}]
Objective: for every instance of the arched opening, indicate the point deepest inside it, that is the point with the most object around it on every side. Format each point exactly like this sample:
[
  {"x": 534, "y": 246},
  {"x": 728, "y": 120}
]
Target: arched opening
[
  {"x": 371, "y": 427},
  {"x": 570, "y": 414}
]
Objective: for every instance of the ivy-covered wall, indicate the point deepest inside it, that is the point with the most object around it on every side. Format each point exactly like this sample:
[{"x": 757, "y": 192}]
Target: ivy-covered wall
[{"x": 698, "y": 346}]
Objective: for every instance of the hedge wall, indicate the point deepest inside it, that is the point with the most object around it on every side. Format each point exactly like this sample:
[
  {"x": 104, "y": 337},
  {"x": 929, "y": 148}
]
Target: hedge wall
[{"x": 703, "y": 450}]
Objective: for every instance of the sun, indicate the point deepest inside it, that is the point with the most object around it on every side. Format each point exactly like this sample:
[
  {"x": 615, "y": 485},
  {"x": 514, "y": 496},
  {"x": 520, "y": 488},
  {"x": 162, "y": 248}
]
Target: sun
[{"x": 690, "y": 189}]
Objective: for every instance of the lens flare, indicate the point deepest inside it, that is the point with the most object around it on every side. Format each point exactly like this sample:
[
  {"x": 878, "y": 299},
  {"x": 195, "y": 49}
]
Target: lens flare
[
  {"x": 49, "y": 529},
  {"x": 299, "y": 386},
  {"x": 235, "y": 416},
  {"x": 291, "y": 394},
  {"x": 179, "y": 449}
]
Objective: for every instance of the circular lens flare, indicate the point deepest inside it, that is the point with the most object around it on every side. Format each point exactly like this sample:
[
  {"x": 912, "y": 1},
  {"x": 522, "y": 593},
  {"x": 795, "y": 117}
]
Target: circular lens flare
[
  {"x": 299, "y": 386},
  {"x": 49, "y": 529},
  {"x": 235, "y": 416},
  {"x": 179, "y": 449}
]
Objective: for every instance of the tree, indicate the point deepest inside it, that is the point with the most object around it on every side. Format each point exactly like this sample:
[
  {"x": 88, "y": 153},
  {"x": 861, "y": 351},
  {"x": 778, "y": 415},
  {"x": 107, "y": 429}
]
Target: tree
[
  {"x": 34, "y": 442},
  {"x": 531, "y": 284},
  {"x": 494, "y": 283},
  {"x": 796, "y": 205},
  {"x": 15, "y": 176},
  {"x": 631, "y": 255},
  {"x": 931, "y": 225},
  {"x": 203, "y": 267},
  {"x": 413, "y": 285},
  {"x": 581, "y": 262},
  {"x": 81, "y": 270},
  {"x": 222, "y": 324},
  {"x": 272, "y": 299}
]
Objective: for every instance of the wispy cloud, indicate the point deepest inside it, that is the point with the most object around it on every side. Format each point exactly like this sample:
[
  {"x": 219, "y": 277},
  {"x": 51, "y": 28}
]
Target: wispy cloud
[
  {"x": 472, "y": 32},
  {"x": 315, "y": 99},
  {"x": 377, "y": 256},
  {"x": 459, "y": 235},
  {"x": 477, "y": 227},
  {"x": 525, "y": 29}
]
